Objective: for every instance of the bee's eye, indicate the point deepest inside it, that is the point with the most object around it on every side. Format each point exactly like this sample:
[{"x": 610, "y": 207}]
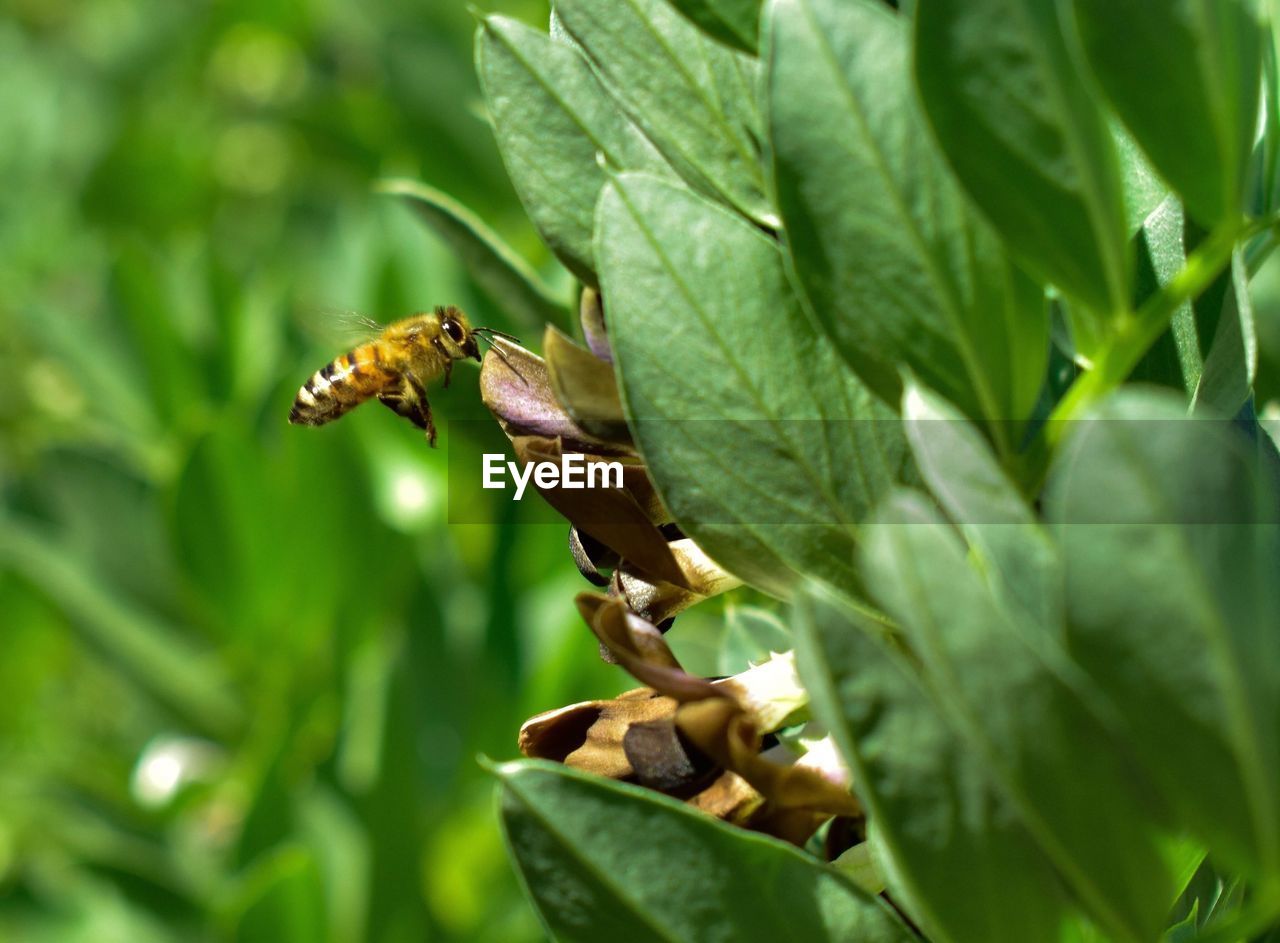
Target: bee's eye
[{"x": 454, "y": 330}]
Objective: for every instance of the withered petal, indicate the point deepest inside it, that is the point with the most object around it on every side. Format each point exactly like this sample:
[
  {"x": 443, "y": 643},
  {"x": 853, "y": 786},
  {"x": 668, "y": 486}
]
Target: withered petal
[
  {"x": 627, "y": 634},
  {"x": 662, "y": 760},
  {"x": 730, "y": 797},
  {"x": 591, "y": 556},
  {"x": 610, "y": 515},
  {"x": 659, "y": 600},
  {"x": 585, "y": 386},
  {"x": 589, "y": 736},
  {"x": 640, "y": 649},
  {"x": 770, "y": 693},
  {"x": 720, "y": 728},
  {"x": 591, "y": 316},
  {"x": 518, "y": 391},
  {"x": 791, "y": 825}
]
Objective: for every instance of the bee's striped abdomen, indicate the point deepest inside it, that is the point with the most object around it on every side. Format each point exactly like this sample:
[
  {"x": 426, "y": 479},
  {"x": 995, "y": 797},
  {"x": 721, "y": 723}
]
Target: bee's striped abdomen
[{"x": 339, "y": 386}]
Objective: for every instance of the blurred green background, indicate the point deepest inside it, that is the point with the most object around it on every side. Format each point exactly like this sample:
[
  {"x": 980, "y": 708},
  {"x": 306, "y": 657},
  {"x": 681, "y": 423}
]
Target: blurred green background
[{"x": 247, "y": 667}]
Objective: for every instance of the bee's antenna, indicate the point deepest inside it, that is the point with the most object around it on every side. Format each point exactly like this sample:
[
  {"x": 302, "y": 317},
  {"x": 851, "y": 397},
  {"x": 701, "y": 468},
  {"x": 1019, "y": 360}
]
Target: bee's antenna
[
  {"x": 501, "y": 356},
  {"x": 490, "y": 330}
]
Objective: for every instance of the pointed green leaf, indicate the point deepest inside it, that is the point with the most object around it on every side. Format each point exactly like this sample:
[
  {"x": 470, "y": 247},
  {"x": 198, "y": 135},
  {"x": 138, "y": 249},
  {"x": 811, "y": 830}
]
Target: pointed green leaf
[
  {"x": 694, "y": 98},
  {"x": 606, "y": 861},
  {"x": 1169, "y": 533},
  {"x": 763, "y": 447},
  {"x": 1227, "y": 380},
  {"x": 1213, "y": 332},
  {"x": 1175, "y": 359},
  {"x": 1012, "y": 694},
  {"x": 157, "y": 655},
  {"x": 750, "y": 636},
  {"x": 1184, "y": 76},
  {"x": 896, "y": 264},
  {"x": 1016, "y": 120},
  {"x": 735, "y": 22},
  {"x": 498, "y": 270},
  {"x": 280, "y": 899},
  {"x": 1019, "y": 559},
  {"x": 964, "y": 866},
  {"x": 554, "y": 124},
  {"x": 1144, "y": 191}
]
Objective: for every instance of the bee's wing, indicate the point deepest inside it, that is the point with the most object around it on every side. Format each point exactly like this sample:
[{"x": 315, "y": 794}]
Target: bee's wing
[
  {"x": 338, "y": 327},
  {"x": 359, "y": 325}
]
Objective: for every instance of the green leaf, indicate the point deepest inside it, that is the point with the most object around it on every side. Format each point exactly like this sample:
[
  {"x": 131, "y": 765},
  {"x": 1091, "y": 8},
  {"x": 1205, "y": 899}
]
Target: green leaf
[
  {"x": 499, "y": 271},
  {"x": 1175, "y": 359},
  {"x": 606, "y": 861},
  {"x": 1214, "y": 332},
  {"x": 964, "y": 866},
  {"x": 555, "y": 124},
  {"x": 1208, "y": 895},
  {"x": 1169, "y": 535},
  {"x": 1016, "y": 554},
  {"x": 154, "y": 316},
  {"x": 1014, "y": 697},
  {"x": 751, "y": 634},
  {"x": 692, "y": 97},
  {"x": 1184, "y": 76},
  {"x": 761, "y": 444},
  {"x": 1227, "y": 380},
  {"x": 157, "y": 655},
  {"x": 281, "y": 899},
  {"x": 735, "y": 22},
  {"x": 895, "y": 263},
  {"x": 1017, "y": 123},
  {"x": 1266, "y": 168},
  {"x": 1144, "y": 191},
  {"x": 1150, "y": 212}
]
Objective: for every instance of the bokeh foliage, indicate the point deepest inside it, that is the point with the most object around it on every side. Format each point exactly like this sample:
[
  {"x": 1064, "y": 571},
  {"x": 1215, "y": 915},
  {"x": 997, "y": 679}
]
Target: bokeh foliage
[{"x": 246, "y": 667}]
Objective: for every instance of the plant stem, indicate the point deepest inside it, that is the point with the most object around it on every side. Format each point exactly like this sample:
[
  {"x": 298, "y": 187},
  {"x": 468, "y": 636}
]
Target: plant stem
[{"x": 1134, "y": 333}]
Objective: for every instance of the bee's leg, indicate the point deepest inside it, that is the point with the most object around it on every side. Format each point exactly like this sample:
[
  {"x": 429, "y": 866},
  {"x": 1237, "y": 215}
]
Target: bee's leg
[
  {"x": 448, "y": 371},
  {"x": 430, "y": 425},
  {"x": 409, "y": 400}
]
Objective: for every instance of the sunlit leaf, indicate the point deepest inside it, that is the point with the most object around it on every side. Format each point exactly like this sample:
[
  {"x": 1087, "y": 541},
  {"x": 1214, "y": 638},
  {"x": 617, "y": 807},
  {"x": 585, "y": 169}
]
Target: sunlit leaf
[
  {"x": 736, "y": 22},
  {"x": 929, "y": 794},
  {"x": 1016, "y": 702},
  {"x": 898, "y": 266},
  {"x": 1014, "y": 117},
  {"x": 555, "y": 126},
  {"x": 1170, "y": 539},
  {"x": 1184, "y": 75},
  {"x": 767, "y": 471},
  {"x": 1016, "y": 554},
  {"x": 694, "y": 98},
  {"x": 1232, "y": 360},
  {"x": 606, "y": 861}
]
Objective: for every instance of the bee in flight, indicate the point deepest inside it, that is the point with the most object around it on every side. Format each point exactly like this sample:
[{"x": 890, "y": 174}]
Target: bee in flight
[{"x": 396, "y": 367}]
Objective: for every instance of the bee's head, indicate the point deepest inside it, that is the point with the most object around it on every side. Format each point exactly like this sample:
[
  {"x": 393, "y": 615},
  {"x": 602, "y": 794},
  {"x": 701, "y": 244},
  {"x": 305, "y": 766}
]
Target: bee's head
[{"x": 456, "y": 334}]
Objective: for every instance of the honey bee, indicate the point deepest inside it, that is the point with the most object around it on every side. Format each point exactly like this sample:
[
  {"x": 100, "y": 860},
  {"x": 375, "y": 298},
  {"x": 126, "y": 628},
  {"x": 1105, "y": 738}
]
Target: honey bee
[{"x": 396, "y": 367}]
